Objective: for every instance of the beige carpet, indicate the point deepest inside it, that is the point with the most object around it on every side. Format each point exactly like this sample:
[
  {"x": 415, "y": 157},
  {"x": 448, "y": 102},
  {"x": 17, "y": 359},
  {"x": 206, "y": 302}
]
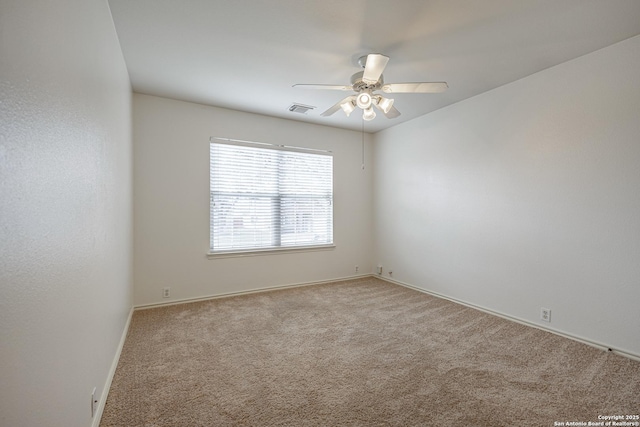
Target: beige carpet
[{"x": 357, "y": 353}]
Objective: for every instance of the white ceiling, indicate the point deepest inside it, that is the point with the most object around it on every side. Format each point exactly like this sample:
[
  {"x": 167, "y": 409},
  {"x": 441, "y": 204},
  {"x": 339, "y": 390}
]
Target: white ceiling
[{"x": 247, "y": 54}]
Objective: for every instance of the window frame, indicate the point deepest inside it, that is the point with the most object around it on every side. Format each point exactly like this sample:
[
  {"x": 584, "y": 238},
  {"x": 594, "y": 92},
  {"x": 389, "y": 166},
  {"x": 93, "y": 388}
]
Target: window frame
[{"x": 257, "y": 251}]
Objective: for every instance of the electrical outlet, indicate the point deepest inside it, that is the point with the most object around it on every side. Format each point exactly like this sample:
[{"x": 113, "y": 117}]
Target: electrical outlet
[
  {"x": 94, "y": 403},
  {"x": 545, "y": 314},
  {"x": 379, "y": 269},
  {"x": 166, "y": 292}
]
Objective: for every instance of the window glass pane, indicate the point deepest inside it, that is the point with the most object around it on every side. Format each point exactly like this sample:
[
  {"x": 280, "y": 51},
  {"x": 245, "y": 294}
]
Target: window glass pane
[
  {"x": 306, "y": 221},
  {"x": 244, "y": 170},
  {"x": 242, "y": 222},
  {"x": 306, "y": 174}
]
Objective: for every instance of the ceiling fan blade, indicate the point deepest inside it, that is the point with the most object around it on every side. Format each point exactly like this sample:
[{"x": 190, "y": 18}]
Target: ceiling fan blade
[
  {"x": 392, "y": 114},
  {"x": 374, "y": 67},
  {"x": 337, "y": 106},
  {"x": 419, "y": 87},
  {"x": 325, "y": 87}
]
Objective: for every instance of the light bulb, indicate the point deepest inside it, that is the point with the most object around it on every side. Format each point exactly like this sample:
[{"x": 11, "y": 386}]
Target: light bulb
[
  {"x": 369, "y": 114},
  {"x": 364, "y": 100}
]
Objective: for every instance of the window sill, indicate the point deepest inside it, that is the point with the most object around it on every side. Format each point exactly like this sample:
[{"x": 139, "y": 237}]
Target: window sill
[{"x": 269, "y": 251}]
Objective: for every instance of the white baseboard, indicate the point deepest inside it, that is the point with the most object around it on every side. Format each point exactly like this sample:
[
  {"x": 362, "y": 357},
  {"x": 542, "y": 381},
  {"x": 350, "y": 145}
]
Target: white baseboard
[
  {"x": 583, "y": 340},
  {"x": 247, "y": 292},
  {"x": 112, "y": 372}
]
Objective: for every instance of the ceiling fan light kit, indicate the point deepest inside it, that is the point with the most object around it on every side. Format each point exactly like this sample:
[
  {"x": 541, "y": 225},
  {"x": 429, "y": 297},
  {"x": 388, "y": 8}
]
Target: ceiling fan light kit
[{"x": 366, "y": 82}]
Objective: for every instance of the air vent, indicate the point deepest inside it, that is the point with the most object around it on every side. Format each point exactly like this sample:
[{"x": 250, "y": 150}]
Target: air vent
[{"x": 300, "y": 108}]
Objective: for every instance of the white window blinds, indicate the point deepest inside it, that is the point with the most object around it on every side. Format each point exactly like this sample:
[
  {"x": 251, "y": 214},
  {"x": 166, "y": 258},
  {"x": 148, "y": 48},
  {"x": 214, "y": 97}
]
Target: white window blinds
[{"x": 268, "y": 198}]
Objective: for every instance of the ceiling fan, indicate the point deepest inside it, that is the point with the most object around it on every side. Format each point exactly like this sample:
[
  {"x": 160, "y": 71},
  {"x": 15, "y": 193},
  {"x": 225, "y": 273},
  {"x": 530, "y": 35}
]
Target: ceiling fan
[{"x": 366, "y": 82}]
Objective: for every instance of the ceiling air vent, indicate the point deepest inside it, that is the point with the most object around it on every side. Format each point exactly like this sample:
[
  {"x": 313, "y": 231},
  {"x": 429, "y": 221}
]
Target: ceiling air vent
[{"x": 300, "y": 108}]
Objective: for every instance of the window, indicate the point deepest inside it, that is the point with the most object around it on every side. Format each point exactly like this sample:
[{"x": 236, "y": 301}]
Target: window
[{"x": 267, "y": 197}]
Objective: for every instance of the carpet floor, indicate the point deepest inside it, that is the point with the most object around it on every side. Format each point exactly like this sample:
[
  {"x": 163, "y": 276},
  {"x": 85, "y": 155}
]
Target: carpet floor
[{"x": 357, "y": 353}]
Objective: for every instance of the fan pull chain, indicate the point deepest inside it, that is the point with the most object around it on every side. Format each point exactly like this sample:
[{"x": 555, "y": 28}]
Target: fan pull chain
[{"x": 362, "y": 144}]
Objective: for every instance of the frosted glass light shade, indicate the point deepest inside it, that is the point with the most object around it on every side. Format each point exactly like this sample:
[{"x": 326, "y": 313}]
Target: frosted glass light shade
[
  {"x": 364, "y": 100},
  {"x": 347, "y": 107},
  {"x": 369, "y": 114},
  {"x": 385, "y": 104}
]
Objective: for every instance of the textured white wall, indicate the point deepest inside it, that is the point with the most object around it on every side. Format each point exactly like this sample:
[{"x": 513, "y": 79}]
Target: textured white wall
[
  {"x": 65, "y": 210},
  {"x": 171, "y": 193},
  {"x": 523, "y": 197}
]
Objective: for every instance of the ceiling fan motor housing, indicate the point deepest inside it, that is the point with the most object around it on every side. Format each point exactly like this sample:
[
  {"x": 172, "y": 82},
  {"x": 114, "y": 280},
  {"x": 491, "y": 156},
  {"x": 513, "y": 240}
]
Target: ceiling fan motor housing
[{"x": 359, "y": 85}]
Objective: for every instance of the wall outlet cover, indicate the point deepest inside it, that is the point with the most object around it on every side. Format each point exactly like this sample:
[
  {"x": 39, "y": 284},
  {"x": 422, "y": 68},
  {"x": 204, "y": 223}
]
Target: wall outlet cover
[{"x": 545, "y": 314}]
